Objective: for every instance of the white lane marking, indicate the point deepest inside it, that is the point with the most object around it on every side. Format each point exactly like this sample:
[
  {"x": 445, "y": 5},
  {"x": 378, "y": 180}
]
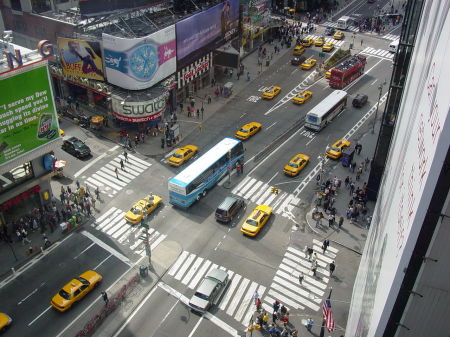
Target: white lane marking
[
  {"x": 311, "y": 140},
  {"x": 374, "y": 81},
  {"x": 236, "y": 299},
  {"x": 242, "y": 115},
  {"x": 77, "y": 256},
  {"x": 104, "y": 215},
  {"x": 94, "y": 161},
  {"x": 242, "y": 183},
  {"x": 263, "y": 197},
  {"x": 199, "y": 275},
  {"x": 285, "y": 300},
  {"x": 39, "y": 316},
  {"x": 106, "y": 247},
  {"x": 268, "y": 183},
  {"x": 108, "y": 174},
  {"x": 104, "y": 260},
  {"x": 28, "y": 296},
  {"x": 135, "y": 311},
  {"x": 246, "y": 301},
  {"x": 262, "y": 189},
  {"x": 194, "y": 329},
  {"x": 253, "y": 189},
  {"x": 192, "y": 270},
  {"x": 185, "y": 266},
  {"x": 271, "y": 126},
  {"x": 246, "y": 187},
  {"x": 229, "y": 293},
  {"x": 132, "y": 158},
  {"x": 178, "y": 263}
]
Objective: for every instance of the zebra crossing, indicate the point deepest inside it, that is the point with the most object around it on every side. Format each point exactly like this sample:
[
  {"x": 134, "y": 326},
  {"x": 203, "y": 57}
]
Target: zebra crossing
[
  {"x": 261, "y": 193},
  {"x": 285, "y": 285},
  {"x": 337, "y": 43},
  {"x": 335, "y": 25},
  {"x": 105, "y": 178},
  {"x": 113, "y": 224},
  {"x": 391, "y": 37},
  {"x": 378, "y": 53},
  {"x": 236, "y": 301}
]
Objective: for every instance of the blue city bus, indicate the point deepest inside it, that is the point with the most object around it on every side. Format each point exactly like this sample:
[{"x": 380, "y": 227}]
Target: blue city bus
[{"x": 195, "y": 180}]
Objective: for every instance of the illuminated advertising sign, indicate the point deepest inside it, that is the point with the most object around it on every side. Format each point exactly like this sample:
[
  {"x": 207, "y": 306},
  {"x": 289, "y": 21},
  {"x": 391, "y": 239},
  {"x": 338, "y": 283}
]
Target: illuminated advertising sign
[
  {"x": 140, "y": 63},
  {"x": 81, "y": 58},
  {"x": 138, "y": 112},
  {"x": 416, "y": 158},
  {"x": 206, "y": 31},
  {"x": 27, "y": 113}
]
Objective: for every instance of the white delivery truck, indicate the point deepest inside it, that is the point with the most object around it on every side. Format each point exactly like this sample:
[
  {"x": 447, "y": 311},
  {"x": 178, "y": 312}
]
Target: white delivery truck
[{"x": 393, "y": 46}]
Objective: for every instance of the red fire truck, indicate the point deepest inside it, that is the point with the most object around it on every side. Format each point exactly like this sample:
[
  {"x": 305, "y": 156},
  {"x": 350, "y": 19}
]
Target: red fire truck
[{"x": 347, "y": 71}]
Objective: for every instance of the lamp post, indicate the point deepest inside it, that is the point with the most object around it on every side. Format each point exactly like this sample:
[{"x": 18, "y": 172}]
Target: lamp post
[
  {"x": 148, "y": 250},
  {"x": 380, "y": 88}
]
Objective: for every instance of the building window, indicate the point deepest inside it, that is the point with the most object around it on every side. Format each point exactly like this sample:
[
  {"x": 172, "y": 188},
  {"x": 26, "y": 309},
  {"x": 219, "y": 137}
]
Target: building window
[
  {"x": 40, "y": 6},
  {"x": 16, "y": 176}
]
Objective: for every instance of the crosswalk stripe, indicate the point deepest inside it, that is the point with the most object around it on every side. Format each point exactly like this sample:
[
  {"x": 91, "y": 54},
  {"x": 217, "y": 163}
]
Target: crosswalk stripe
[
  {"x": 293, "y": 277},
  {"x": 122, "y": 173},
  {"x": 253, "y": 189},
  {"x": 293, "y": 296},
  {"x": 246, "y": 187},
  {"x": 306, "y": 267},
  {"x": 285, "y": 300},
  {"x": 229, "y": 293},
  {"x": 108, "y": 173},
  {"x": 122, "y": 227},
  {"x": 295, "y": 287},
  {"x": 178, "y": 263},
  {"x": 263, "y": 189},
  {"x": 104, "y": 215},
  {"x": 136, "y": 234},
  {"x": 242, "y": 183},
  {"x": 117, "y": 226},
  {"x": 134, "y": 158},
  {"x": 192, "y": 270},
  {"x": 247, "y": 299},
  {"x": 251, "y": 310},
  {"x": 306, "y": 271},
  {"x": 295, "y": 258},
  {"x": 160, "y": 239},
  {"x": 107, "y": 182},
  {"x": 199, "y": 275},
  {"x": 329, "y": 249},
  {"x": 268, "y": 304},
  {"x": 236, "y": 299},
  {"x": 184, "y": 267},
  {"x": 93, "y": 184},
  {"x": 263, "y": 197},
  {"x": 111, "y": 221},
  {"x": 132, "y": 166},
  {"x": 269, "y": 200},
  {"x": 283, "y": 203}
]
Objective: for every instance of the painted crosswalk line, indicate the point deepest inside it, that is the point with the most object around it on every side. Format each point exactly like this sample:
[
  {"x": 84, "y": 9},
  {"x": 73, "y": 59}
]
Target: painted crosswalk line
[
  {"x": 337, "y": 43},
  {"x": 335, "y": 25},
  {"x": 261, "y": 193},
  {"x": 391, "y": 37},
  {"x": 113, "y": 224},
  {"x": 378, "y": 53},
  {"x": 106, "y": 180},
  {"x": 286, "y": 287}
]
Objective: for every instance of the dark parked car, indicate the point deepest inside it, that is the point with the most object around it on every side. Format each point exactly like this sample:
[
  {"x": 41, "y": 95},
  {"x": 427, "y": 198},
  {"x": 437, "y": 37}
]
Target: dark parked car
[
  {"x": 296, "y": 61},
  {"x": 330, "y": 31},
  {"x": 76, "y": 147},
  {"x": 359, "y": 100}
]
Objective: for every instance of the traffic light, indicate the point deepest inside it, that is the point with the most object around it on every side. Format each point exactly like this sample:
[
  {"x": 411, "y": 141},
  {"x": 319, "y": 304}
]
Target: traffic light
[{"x": 275, "y": 190}]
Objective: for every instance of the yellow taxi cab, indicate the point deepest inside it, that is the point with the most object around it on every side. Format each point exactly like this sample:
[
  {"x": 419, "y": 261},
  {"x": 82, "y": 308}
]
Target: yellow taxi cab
[
  {"x": 328, "y": 46},
  {"x": 75, "y": 290},
  {"x": 248, "y": 130},
  {"x": 5, "y": 321},
  {"x": 61, "y": 132},
  {"x": 256, "y": 220},
  {"x": 142, "y": 207},
  {"x": 182, "y": 155},
  {"x": 271, "y": 92},
  {"x": 335, "y": 150},
  {"x": 307, "y": 42},
  {"x": 298, "y": 50},
  {"x": 338, "y": 35},
  {"x": 302, "y": 97},
  {"x": 308, "y": 64},
  {"x": 296, "y": 164},
  {"x": 328, "y": 73},
  {"x": 319, "y": 41}
]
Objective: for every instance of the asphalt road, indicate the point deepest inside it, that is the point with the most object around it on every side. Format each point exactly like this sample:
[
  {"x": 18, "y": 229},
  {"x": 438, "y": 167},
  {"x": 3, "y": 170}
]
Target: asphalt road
[{"x": 256, "y": 260}]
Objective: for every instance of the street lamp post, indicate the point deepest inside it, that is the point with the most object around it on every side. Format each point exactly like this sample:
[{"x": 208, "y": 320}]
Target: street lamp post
[
  {"x": 148, "y": 250},
  {"x": 380, "y": 88}
]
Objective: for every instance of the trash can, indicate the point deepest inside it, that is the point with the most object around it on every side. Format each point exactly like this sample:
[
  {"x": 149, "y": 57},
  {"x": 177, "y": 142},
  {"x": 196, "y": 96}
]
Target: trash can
[
  {"x": 143, "y": 270},
  {"x": 267, "y": 63}
]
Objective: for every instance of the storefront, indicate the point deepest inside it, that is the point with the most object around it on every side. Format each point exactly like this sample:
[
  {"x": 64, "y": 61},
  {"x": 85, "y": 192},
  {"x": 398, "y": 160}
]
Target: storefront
[{"x": 193, "y": 77}]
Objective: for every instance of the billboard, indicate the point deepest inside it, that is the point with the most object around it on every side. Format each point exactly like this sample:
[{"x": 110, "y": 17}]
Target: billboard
[
  {"x": 100, "y": 7},
  {"x": 140, "y": 63},
  {"x": 81, "y": 58},
  {"x": 206, "y": 31},
  {"x": 139, "y": 112},
  {"x": 27, "y": 113},
  {"x": 416, "y": 158}
]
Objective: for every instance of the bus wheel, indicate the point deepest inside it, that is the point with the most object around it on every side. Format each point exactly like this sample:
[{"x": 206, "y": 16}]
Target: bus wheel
[
  {"x": 204, "y": 193},
  {"x": 199, "y": 196}
]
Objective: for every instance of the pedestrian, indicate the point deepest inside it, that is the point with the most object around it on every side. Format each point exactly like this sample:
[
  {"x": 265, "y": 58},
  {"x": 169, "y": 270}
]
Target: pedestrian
[
  {"x": 283, "y": 310},
  {"x": 332, "y": 267},
  {"x": 352, "y": 188},
  {"x": 318, "y": 179},
  {"x": 359, "y": 148},
  {"x": 310, "y": 253},
  {"x": 276, "y": 306},
  {"x": 105, "y": 297},
  {"x": 319, "y": 217},
  {"x": 341, "y": 221},
  {"x": 97, "y": 193},
  {"x": 117, "y": 173},
  {"x": 242, "y": 167},
  {"x": 198, "y": 113},
  {"x": 300, "y": 278},
  {"x": 347, "y": 181},
  {"x": 202, "y": 110},
  {"x": 122, "y": 165},
  {"x": 309, "y": 324},
  {"x": 258, "y": 304},
  {"x": 314, "y": 258},
  {"x": 209, "y": 99},
  {"x": 255, "y": 296},
  {"x": 353, "y": 167},
  {"x": 274, "y": 318},
  {"x": 265, "y": 318},
  {"x": 47, "y": 242},
  {"x": 368, "y": 221},
  {"x": 325, "y": 245},
  {"x": 359, "y": 172},
  {"x": 330, "y": 220},
  {"x": 93, "y": 202},
  {"x": 24, "y": 235},
  {"x": 366, "y": 163},
  {"x": 248, "y": 76},
  {"x": 361, "y": 42}
]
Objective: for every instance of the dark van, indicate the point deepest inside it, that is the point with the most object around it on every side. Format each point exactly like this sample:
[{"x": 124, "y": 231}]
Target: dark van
[
  {"x": 359, "y": 100},
  {"x": 228, "y": 209}
]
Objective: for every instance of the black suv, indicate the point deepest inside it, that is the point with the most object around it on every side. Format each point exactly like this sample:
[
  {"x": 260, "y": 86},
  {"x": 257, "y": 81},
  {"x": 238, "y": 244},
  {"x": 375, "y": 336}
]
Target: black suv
[
  {"x": 359, "y": 100},
  {"x": 330, "y": 31},
  {"x": 297, "y": 60},
  {"x": 76, "y": 147}
]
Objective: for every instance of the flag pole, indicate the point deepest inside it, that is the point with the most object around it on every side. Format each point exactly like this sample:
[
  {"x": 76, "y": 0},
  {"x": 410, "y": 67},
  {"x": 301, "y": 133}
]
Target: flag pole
[{"x": 322, "y": 329}]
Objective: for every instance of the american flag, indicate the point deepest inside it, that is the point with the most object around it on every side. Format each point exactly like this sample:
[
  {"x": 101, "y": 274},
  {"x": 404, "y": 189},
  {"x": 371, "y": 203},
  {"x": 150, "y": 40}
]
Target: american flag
[{"x": 328, "y": 315}]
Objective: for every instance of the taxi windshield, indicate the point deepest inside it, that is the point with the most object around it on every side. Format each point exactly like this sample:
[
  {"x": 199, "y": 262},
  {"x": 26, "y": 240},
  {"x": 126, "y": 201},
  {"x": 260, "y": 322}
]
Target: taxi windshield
[
  {"x": 82, "y": 280},
  {"x": 64, "y": 294},
  {"x": 306, "y": 40},
  {"x": 252, "y": 222},
  {"x": 243, "y": 130},
  {"x": 177, "y": 155},
  {"x": 135, "y": 210},
  {"x": 269, "y": 91},
  {"x": 335, "y": 149},
  {"x": 300, "y": 96},
  {"x": 294, "y": 165}
]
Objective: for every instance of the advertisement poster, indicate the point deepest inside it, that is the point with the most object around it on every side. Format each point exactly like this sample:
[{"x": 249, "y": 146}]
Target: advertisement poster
[
  {"x": 140, "y": 63},
  {"x": 81, "y": 58},
  {"x": 206, "y": 31},
  {"x": 139, "y": 112},
  {"x": 27, "y": 112}
]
